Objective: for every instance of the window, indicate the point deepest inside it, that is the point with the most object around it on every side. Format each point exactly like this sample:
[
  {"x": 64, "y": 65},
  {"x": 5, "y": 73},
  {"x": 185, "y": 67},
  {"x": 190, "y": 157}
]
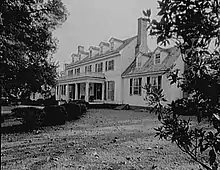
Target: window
[
  {"x": 99, "y": 67},
  {"x": 101, "y": 50},
  {"x": 111, "y": 90},
  {"x": 77, "y": 71},
  {"x": 90, "y": 53},
  {"x": 88, "y": 68},
  {"x": 135, "y": 86},
  {"x": 157, "y": 59},
  {"x": 156, "y": 82},
  {"x": 63, "y": 89},
  {"x": 109, "y": 65},
  {"x": 112, "y": 46},
  {"x": 70, "y": 72}
]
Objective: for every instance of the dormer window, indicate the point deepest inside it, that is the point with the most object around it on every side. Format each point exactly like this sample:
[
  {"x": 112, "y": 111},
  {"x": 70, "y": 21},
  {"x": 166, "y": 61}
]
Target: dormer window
[
  {"x": 112, "y": 46},
  {"x": 157, "y": 58},
  {"x": 90, "y": 53},
  {"x": 101, "y": 49}
]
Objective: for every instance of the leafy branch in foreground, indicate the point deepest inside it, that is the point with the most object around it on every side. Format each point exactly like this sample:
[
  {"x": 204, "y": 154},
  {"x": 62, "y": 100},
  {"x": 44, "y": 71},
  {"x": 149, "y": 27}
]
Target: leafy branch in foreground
[
  {"x": 194, "y": 27},
  {"x": 27, "y": 45}
]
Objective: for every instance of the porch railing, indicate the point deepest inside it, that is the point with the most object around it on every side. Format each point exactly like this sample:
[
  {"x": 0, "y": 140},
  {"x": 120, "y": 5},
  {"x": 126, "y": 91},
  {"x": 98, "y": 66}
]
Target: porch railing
[{"x": 84, "y": 74}]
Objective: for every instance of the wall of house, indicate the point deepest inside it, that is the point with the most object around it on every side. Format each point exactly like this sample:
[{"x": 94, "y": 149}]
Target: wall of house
[
  {"x": 128, "y": 55},
  {"x": 172, "y": 92},
  {"x": 115, "y": 75},
  {"x": 135, "y": 100}
]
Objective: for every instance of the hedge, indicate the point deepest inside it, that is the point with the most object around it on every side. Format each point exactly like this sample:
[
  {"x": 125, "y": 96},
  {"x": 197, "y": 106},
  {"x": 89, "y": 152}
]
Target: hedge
[
  {"x": 32, "y": 117},
  {"x": 55, "y": 115},
  {"x": 50, "y": 115},
  {"x": 74, "y": 111}
]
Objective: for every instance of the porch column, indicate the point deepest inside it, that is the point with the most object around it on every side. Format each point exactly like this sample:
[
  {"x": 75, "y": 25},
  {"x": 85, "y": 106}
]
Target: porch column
[
  {"x": 67, "y": 92},
  {"x": 57, "y": 92},
  {"x": 76, "y": 91},
  {"x": 103, "y": 91},
  {"x": 87, "y": 92}
]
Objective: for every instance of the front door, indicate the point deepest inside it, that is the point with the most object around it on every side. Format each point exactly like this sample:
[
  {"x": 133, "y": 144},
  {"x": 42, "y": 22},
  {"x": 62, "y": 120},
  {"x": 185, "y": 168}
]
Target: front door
[{"x": 99, "y": 91}]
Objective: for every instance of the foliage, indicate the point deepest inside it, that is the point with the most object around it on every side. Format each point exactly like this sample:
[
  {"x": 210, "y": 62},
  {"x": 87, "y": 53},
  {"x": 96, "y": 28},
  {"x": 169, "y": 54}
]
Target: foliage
[
  {"x": 32, "y": 117},
  {"x": 55, "y": 115},
  {"x": 194, "y": 27},
  {"x": 74, "y": 111},
  {"x": 27, "y": 45}
]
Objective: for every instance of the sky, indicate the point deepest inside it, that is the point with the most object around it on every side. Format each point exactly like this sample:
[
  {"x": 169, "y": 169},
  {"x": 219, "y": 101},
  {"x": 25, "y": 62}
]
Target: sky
[{"x": 92, "y": 21}]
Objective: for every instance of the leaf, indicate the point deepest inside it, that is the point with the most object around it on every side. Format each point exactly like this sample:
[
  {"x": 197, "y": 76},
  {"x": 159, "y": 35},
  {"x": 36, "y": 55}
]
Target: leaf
[
  {"x": 159, "y": 117},
  {"x": 212, "y": 157},
  {"x": 149, "y": 12},
  {"x": 160, "y": 39}
]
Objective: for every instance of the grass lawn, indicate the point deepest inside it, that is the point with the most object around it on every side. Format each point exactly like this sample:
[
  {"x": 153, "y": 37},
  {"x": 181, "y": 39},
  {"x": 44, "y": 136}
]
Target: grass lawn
[{"x": 103, "y": 139}]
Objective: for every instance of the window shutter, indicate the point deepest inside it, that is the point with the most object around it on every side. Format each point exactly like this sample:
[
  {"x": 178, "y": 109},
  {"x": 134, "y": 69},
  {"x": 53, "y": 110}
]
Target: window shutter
[
  {"x": 113, "y": 64},
  {"x": 159, "y": 82},
  {"x": 96, "y": 67},
  {"x": 148, "y": 83},
  {"x": 101, "y": 70},
  {"x": 140, "y": 86},
  {"x": 131, "y": 81},
  {"x": 106, "y": 66}
]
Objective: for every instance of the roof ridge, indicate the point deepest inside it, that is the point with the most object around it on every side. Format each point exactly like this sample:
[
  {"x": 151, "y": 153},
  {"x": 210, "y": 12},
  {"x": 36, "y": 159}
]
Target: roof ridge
[{"x": 88, "y": 58}]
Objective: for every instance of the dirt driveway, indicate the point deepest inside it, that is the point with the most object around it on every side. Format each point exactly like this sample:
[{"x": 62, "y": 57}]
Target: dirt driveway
[{"x": 104, "y": 139}]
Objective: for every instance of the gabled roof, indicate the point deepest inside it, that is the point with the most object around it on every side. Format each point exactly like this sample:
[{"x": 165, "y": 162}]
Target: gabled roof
[
  {"x": 109, "y": 52},
  {"x": 149, "y": 67}
]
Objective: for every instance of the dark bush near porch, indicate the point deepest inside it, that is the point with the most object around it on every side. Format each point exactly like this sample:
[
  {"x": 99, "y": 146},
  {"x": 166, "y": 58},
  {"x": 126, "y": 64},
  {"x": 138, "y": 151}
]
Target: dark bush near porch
[
  {"x": 80, "y": 102},
  {"x": 74, "y": 111},
  {"x": 32, "y": 117},
  {"x": 55, "y": 115}
]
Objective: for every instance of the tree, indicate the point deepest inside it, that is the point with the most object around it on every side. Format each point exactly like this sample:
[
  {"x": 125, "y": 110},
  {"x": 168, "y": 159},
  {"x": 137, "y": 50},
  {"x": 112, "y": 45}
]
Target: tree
[
  {"x": 27, "y": 45},
  {"x": 193, "y": 26}
]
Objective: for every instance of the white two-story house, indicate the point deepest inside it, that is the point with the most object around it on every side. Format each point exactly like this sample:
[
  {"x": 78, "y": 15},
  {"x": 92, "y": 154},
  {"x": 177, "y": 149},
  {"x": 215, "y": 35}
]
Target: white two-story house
[{"x": 115, "y": 71}]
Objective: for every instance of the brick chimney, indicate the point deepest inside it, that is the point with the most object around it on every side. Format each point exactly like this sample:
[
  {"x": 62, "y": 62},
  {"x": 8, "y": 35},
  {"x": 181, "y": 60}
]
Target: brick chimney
[{"x": 142, "y": 36}]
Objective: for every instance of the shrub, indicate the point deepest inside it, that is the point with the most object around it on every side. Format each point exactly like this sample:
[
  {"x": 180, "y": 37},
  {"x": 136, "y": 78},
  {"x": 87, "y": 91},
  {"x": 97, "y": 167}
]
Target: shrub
[
  {"x": 55, "y": 115},
  {"x": 32, "y": 117},
  {"x": 74, "y": 111}
]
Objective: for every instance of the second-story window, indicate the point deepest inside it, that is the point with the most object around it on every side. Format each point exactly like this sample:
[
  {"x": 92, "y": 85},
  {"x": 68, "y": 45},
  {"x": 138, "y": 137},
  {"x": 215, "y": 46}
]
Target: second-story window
[
  {"x": 77, "y": 71},
  {"x": 109, "y": 65},
  {"x": 112, "y": 46},
  {"x": 157, "y": 59},
  {"x": 88, "y": 68},
  {"x": 99, "y": 67},
  {"x": 70, "y": 72}
]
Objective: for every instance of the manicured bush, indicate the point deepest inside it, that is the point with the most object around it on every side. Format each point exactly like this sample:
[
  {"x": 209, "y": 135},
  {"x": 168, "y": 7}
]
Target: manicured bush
[
  {"x": 55, "y": 115},
  {"x": 74, "y": 111},
  {"x": 83, "y": 108},
  {"x": 32, "y": 117}
]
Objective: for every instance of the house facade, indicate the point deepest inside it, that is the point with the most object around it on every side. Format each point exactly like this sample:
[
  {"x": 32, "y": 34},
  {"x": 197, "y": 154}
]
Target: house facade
[
  {"x": 115, "y": 71},
  {"x": 152, "y": 68}
]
